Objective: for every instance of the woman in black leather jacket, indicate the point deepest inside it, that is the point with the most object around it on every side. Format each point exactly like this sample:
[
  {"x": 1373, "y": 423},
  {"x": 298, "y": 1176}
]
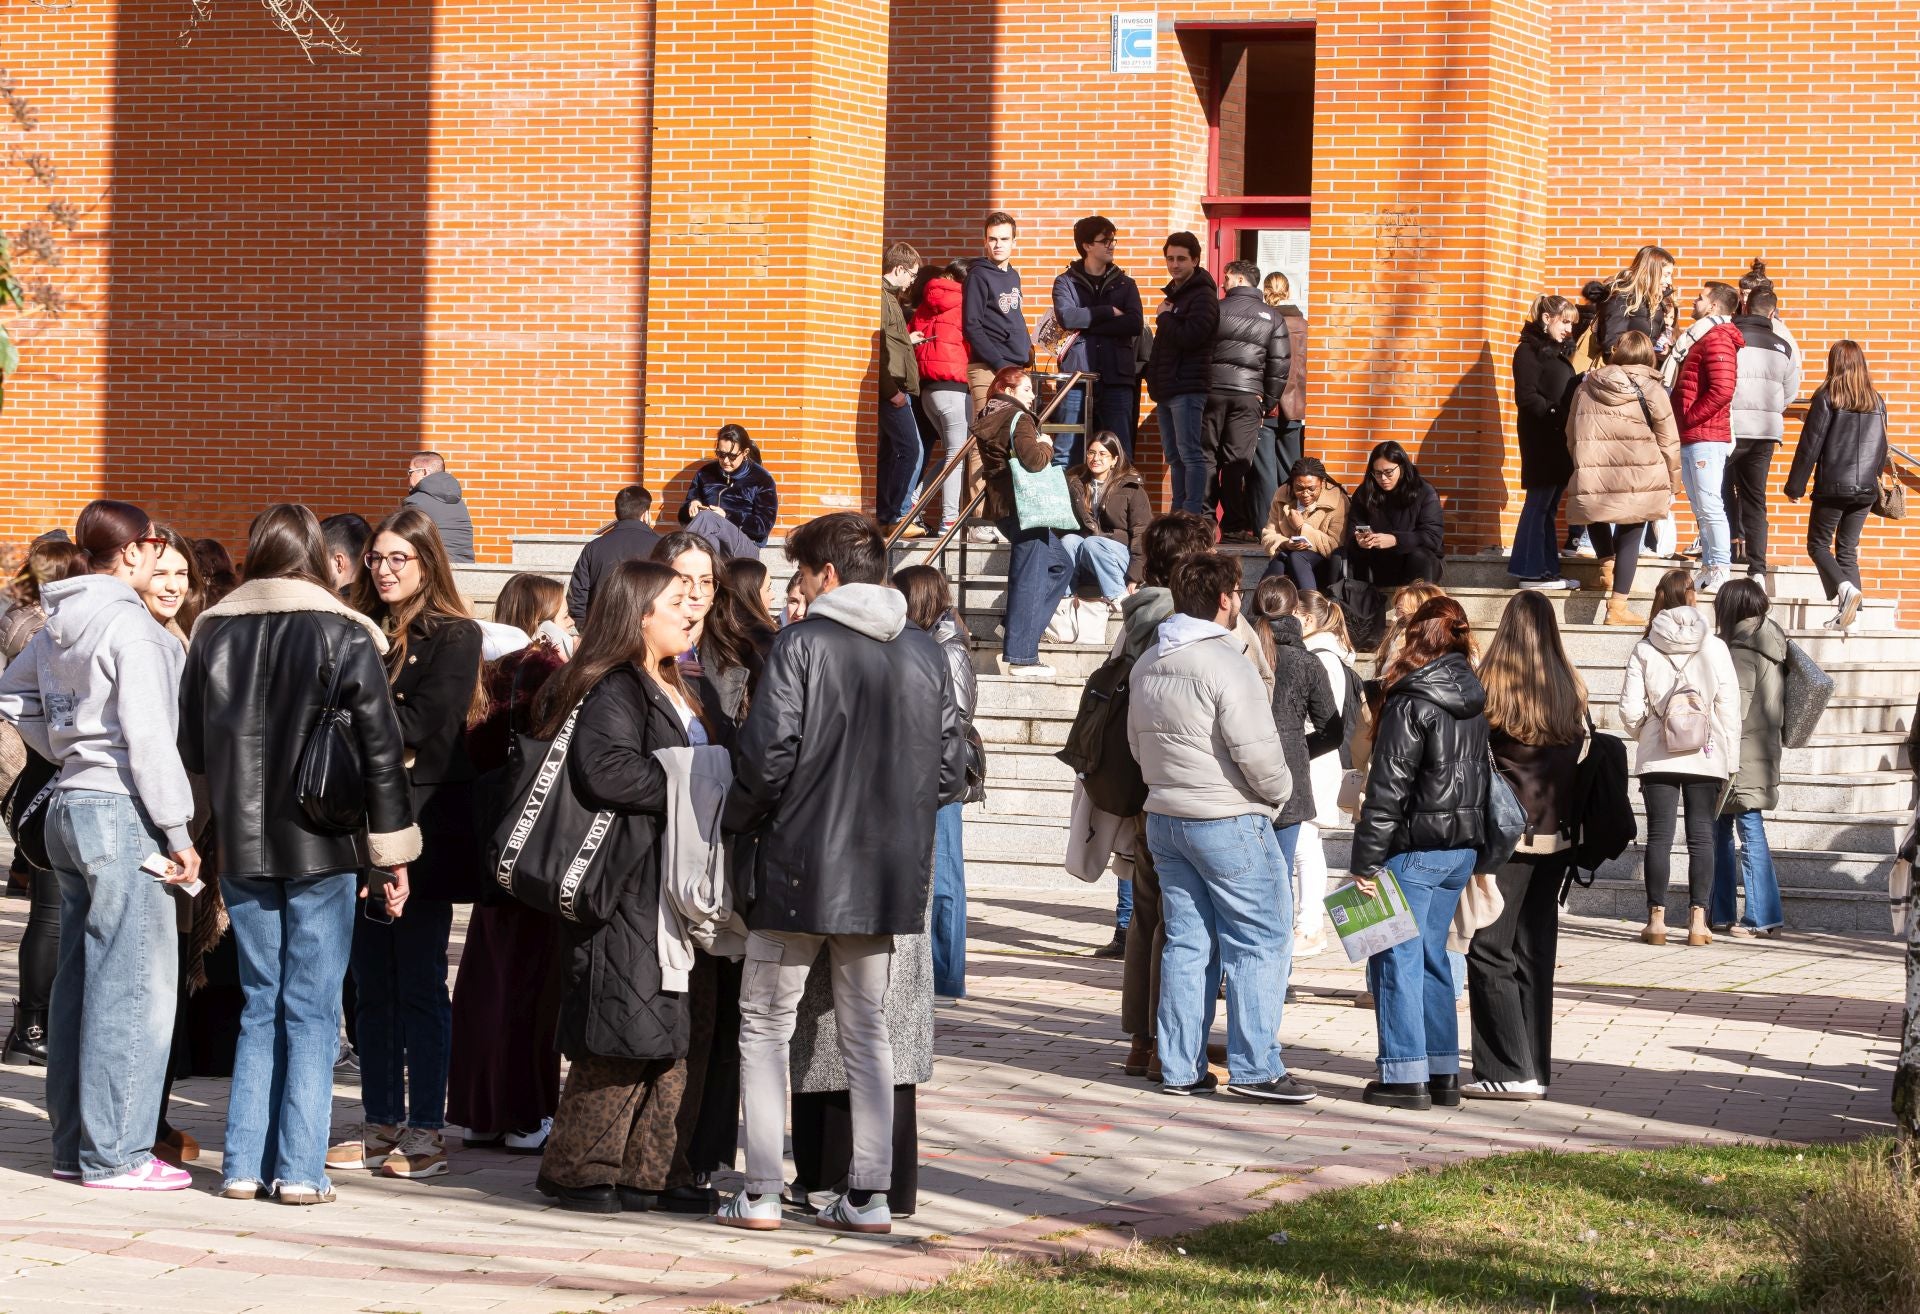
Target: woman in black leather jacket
[
  {"x": 1842, "y": 448},
  {"x": 403, "y": 1011},
  {"x": 256, "y": 678},
  {"x": 1423, "y": 819}
]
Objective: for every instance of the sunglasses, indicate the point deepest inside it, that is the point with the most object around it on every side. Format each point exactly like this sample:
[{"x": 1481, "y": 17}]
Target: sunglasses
[{"x": 724, "y": 455}]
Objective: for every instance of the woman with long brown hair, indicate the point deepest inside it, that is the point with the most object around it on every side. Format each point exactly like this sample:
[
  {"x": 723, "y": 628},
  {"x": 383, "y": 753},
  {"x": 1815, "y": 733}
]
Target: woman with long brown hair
[
  {"x": 256, "y": 680},
  {"x": 613, "y": 1141},
  {"x": 1423, "y": 820},
  {"x": 503, "y": 1072},
  {"x": 1537, "y": 722},
  {"x": 1842, "y": 450},
  {"x": 1640, "y": 298},
  {"x": 400, "y": 968}
]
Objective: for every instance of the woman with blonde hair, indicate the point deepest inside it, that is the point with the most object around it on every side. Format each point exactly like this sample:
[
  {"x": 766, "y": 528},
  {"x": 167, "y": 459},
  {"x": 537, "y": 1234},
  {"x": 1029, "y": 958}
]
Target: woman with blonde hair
[
  {"x": 1407, "y": 600},
  {"x": 1842, "y": 450},
  {"x": 1640, "y": 298},
  {"x": 1537, "y": 725}
]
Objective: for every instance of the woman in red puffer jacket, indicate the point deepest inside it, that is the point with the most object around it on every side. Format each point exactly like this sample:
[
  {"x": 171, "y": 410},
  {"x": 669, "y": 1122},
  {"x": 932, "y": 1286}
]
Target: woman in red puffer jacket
[{"x": 940, "y": 348}]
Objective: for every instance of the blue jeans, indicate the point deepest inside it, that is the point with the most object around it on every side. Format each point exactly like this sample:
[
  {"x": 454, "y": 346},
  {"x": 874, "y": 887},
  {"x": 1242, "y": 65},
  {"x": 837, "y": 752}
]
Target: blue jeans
[
  {"x": 949, "y": 922},
  {"x": 1413, "y": 983},
  {"x": 1703, "y": 469},
  {"x": 1069, "y": 449},
  {"x": 1104, "y": 559},
  {"x": 1116, "y": 408},
  {"x": 293, "y": 937},
  {"x": 1038, "y": 572},
  {"x": 898, "y": 470},
  {"x": 1183, "y": 432},
  {"x": 110, "y": 1029},
  {"x": 1123, "y": 905},
  {"x": 404, "y": 1018},
  {"x": 1756, "y": 873},
  {"x": 1228, "y": 881},
  {"x": 1536, "y": 547},
  {"x": 1306, "y": 568}
]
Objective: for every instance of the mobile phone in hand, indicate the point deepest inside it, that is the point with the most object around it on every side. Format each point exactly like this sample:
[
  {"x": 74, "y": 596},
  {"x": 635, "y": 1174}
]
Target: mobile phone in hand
[{"x": 374, "y": 906}]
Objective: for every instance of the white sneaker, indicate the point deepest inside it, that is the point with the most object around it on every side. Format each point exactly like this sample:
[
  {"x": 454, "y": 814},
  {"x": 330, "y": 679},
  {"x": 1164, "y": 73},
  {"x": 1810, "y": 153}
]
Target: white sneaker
[
  {"x": 149, "y": 1176},
  {"x": 755, "y": 1215},
  {"x": 1710, "y": 579},
  {"x": 528, "y": 1142},
  {"x": 1029, "y": 671},
  {"x": 843, "y": 1216},
  {"x": 1584, "y": 548},
  {"x": 984, "y": 535},
  {"x": 1550, "y": 585},
  {"x": 1504, "y": 1090},
  {"x": 1849, "y": 605}
]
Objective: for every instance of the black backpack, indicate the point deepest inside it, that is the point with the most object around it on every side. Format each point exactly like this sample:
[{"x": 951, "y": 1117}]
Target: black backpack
[
  {"x": 1602, "y": 825},
  {"x": 1365, "y": 610},
  {"x": 1097, "y": 748}
]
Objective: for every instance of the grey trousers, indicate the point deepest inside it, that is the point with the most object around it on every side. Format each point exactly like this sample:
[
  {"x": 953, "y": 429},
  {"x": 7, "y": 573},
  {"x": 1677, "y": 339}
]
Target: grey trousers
[{"x": 774, "y": 978}]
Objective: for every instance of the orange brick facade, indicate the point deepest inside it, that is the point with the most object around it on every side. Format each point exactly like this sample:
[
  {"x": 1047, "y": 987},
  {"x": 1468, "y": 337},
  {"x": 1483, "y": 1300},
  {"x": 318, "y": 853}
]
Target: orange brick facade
[{"x": 561, "y": 244}]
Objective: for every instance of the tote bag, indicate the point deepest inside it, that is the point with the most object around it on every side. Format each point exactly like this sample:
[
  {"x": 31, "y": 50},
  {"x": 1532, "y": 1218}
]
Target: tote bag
[
  {"x": 548, "y": 851},
  {"x": 1040, "y": 498}
]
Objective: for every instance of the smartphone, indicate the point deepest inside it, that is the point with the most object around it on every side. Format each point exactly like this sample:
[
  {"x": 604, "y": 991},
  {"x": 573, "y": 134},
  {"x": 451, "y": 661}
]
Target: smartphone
[
  {"x": 374, "y": 906},
  {"x": 1363, "y": 529}
]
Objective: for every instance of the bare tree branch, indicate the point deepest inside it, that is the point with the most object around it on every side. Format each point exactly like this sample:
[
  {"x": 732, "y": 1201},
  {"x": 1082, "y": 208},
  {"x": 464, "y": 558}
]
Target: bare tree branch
[{"x": 299, "y": 19}]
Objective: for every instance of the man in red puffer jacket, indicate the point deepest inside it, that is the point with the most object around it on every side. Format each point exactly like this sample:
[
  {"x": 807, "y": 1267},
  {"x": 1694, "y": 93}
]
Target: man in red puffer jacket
[{"x": 1703, "y": 406}]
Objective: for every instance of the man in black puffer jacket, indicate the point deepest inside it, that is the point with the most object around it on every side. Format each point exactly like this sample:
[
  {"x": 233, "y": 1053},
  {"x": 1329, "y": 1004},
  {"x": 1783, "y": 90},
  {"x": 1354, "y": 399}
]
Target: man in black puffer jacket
[
  {"x": 853, "y": 742},
  {"x": 1178, "y": 371},
  {"x": 1251, "y": 357}
]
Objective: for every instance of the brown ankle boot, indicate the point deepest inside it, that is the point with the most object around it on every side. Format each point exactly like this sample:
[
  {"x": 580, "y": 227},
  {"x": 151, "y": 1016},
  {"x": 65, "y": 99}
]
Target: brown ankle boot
[
  {"x": 1619, "y": 613},
  {"x": 1698, "y": 933},
  {"x": 1604, "y": 582},
  {"x": 1655, "y": 931},
  {"x": 1138, "y": 1054}
]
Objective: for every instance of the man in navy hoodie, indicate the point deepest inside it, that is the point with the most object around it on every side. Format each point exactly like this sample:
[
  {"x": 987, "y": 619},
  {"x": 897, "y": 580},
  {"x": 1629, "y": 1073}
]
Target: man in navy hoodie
[
  {"x": 991, "y": 310},
  {"x": 1100, "y": 302}
]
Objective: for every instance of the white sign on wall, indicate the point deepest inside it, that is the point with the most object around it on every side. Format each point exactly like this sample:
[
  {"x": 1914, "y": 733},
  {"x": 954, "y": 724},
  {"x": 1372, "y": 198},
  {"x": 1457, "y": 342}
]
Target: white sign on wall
[
  {"x": 1136, "y": 42},
  {"x": 1287, "y": 251}
]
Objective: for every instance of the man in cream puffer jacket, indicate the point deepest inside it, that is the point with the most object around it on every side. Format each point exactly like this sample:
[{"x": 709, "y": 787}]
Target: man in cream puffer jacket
[{"x": 1200, "y": 728}]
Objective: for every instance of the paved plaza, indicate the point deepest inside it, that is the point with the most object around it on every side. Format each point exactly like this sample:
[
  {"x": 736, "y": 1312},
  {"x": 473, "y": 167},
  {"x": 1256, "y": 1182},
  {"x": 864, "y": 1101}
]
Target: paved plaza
[{"x": 1032, "y": 1140}]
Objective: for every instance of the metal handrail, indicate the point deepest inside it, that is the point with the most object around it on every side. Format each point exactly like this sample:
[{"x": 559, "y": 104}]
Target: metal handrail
[{"x": 933, "y": 485}]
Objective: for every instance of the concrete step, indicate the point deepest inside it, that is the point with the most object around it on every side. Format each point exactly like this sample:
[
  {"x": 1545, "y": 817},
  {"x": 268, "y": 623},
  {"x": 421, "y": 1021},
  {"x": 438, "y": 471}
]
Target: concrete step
[{"x": 548, "y": 553}]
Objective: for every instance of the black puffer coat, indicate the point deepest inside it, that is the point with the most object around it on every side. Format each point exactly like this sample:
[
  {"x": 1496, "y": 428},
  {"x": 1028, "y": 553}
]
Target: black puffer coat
[
  {"x": 1843, "y": 452},
  {"x": 1656, "y": 321},
  {"x": 1251, "y": 350},
  {"x": 614, "y": 1006},
  {"x": 1427, "y": 787},
  {"x": 1182, "y": 360},
  {"x": 1543, "y": 384},
  {"x": 255, "y": 681},
  {"x": 853, "y": 741},
  {"x": 1302, "y": 709}
]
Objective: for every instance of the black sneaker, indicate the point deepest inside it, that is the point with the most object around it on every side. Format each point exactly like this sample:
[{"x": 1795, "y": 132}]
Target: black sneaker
[
  {"x": 1207, "y": 1085},
  {"x": 1281, "y": 1090}
]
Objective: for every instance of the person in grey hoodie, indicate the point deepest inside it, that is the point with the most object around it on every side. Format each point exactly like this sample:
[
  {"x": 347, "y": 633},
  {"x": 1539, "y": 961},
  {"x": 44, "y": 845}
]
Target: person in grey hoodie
[
  {"x": 1216, "y": 776},
  {"x": 438, "y": 494},
  {"x": 96, "y": 692}
]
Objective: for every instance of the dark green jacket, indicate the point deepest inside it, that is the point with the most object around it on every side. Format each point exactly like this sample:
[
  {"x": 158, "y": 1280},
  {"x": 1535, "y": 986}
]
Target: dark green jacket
[{"x": 1759, "y": 648}]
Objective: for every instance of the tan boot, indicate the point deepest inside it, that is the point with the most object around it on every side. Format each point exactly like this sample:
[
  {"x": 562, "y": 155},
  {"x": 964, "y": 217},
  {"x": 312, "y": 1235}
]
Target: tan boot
[
  {"x": 1619, "y": 613},
  {"x": 1698, "y": 933},
  {"x": 1604, "y": 582},
  {"x": 1655, "y": 931}
]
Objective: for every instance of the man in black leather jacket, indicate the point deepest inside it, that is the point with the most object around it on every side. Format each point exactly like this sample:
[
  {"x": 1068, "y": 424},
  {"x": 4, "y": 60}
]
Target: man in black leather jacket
[{"x": 853, "y": 742}]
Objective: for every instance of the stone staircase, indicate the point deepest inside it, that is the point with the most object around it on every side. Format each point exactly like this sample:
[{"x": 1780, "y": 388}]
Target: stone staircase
[{"x": 1842, "y": 798}]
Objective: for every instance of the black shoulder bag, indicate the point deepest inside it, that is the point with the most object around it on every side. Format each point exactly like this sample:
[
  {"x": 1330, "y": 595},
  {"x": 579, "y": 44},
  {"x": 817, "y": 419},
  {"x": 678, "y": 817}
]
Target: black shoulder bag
[{"x": 329, "y": 777}]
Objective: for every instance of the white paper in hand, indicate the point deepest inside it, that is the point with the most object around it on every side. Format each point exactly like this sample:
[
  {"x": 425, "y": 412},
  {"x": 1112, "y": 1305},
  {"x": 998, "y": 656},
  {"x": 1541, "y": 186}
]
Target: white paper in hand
[{"x": 1367, "y": 926}]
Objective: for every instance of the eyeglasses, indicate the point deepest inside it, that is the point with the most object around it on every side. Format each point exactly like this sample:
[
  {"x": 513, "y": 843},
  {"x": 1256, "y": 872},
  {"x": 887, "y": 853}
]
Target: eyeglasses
[
  {"x": 394, "y": 561},
  {"x": 1385, "y": 471},
  {"x": 153, "y": 541},
  {"x": 1108, "y": 240}
]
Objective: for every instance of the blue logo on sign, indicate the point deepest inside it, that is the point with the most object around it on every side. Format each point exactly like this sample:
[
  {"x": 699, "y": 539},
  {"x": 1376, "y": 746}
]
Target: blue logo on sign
[{"x": 1137, "y": 44}]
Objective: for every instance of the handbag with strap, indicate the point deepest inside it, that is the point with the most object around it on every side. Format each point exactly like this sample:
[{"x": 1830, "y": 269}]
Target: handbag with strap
[
  {"x": 1890, "y": 495},
  {"x": 1805, "y": 690},
  {"x": 329, "y": 778},
  {"x": 1506, "y": 821},
  {"x": 1040, "y": 497},
  {"x": 24, "y": 808},
  {"x": 547, "y": 850}
]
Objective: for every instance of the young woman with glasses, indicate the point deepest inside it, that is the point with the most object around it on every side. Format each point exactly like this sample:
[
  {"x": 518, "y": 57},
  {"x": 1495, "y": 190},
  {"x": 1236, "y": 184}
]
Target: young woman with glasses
[{"x": 1395, "y": 528}]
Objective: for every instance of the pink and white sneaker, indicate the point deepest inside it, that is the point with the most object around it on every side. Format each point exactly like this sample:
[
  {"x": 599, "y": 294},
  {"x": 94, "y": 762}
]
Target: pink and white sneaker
[{"x": 150, "y": 1176}]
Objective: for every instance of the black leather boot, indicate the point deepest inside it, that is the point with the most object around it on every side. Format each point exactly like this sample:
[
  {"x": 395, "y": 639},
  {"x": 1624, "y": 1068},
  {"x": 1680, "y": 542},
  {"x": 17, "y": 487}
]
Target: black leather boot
[
  {"x": 1444, "y": 1089},
  {"x": 1398, "y": 1094},
  {"x": 27, "y": 1042}
]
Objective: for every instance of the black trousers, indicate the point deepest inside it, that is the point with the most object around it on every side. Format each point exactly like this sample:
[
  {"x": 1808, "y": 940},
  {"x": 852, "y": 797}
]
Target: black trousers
[
  {"x": 1745, "y": 492},
  {"x": 1833, "y": 541},
  {"x": 1510, "y": 976},
  {"x": 1230, "y": 438},
  {"x": 40, "y": 944},
  {"x": 1622, "y": 543},
  {"x": 1391, "y": 568},
  {"x": 1665, "y": 796},
  {"x": 823, "y": 1145}
]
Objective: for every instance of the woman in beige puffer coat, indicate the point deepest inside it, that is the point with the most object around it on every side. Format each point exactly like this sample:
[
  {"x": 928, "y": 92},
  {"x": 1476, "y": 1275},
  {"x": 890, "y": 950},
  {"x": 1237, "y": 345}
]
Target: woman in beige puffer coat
[{"x": 1626, "y": 463}]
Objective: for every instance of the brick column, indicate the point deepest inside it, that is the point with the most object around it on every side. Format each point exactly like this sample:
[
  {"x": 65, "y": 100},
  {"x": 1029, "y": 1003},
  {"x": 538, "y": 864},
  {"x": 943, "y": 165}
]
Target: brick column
[
  {"x": 764, "y": 238},
  {"x": 1427, "y": 211}
]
